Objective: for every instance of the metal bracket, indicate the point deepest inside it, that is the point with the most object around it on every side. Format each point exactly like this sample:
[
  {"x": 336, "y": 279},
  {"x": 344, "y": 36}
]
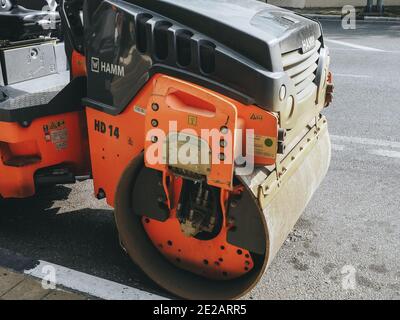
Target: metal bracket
[{"x": 286, "y": 167}]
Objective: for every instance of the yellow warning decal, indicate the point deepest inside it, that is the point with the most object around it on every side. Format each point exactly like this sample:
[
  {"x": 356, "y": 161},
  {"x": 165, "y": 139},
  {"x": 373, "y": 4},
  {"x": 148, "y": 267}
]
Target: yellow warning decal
[
  {"x": 192, "y": 120},
  {"x": 265, "y": 146}
]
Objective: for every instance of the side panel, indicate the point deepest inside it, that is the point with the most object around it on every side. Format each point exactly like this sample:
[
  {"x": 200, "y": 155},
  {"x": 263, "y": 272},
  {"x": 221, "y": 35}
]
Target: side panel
[
  {"x": 116, "y": 140},
  {"x": 117, "y": 70},
  {"x": 48, "y": 141}
]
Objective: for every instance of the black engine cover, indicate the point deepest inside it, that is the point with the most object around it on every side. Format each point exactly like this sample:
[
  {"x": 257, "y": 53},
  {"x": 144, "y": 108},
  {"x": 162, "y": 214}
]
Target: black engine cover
[{"x": 232, "y": 47}]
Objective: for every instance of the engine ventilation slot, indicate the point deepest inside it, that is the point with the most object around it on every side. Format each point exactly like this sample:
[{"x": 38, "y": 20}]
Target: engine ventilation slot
[
  {"x": 183, "y": 48},
  {"x": 207, "y": 57},
  {"x": 161, "y": 39},
  {"x": 302, "y": 69},
  {"x": 141, "y": 33}
]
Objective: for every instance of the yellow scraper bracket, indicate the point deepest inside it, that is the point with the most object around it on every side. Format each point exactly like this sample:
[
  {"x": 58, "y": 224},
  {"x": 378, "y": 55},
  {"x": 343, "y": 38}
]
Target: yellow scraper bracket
[{"x": 286, "y": 167}]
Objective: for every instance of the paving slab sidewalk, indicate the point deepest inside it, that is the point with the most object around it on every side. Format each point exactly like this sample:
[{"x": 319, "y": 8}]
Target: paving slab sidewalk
[{"x": 17, "y": 286}]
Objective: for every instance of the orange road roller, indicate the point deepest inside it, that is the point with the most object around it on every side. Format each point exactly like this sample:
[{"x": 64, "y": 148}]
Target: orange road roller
[
  {"x": 204, "y": 129},
  {"x": 205, "y": 133}
]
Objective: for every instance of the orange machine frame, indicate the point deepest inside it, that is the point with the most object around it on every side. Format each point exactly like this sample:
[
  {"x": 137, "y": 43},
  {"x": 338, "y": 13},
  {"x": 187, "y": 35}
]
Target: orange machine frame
[
  {"x": 48, "y": 141},
  {"x": 116, "y": 140}
]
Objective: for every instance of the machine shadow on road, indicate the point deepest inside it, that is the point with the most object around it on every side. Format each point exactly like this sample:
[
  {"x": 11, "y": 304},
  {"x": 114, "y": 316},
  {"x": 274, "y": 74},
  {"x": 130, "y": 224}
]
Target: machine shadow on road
[{"x": 85, "y": 240}]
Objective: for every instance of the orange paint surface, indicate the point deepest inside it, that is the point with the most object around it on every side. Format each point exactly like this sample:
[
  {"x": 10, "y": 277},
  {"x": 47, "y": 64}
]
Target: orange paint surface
[
  {"x": 66, "y": 144},
  {"x": 214, "y": 259}
]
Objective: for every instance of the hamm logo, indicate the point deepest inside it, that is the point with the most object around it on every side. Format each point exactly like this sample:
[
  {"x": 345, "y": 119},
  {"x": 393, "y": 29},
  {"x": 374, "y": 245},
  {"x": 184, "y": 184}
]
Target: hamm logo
[{"x": 98, "y": 66}]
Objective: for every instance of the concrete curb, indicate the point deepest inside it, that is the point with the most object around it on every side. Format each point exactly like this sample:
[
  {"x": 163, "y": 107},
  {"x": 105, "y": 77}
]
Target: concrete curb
[{"x": 365, "y": 18}]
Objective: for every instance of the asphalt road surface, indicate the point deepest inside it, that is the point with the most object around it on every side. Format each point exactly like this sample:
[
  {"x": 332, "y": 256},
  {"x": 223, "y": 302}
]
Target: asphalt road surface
[{"x": 347, "y": 243}]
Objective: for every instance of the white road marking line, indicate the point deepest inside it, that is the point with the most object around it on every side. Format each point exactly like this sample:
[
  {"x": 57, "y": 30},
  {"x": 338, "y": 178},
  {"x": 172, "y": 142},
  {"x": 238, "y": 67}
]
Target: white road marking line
[
  {"x": 94, "y": 286},
  {"x": 342, "y": 49},
  {"x": 350, "y": 49},
  {"x": 338, "y": 147},
  {"x": 351, "y": 75},
  {"x": 356, "y": 46},
  {"x": 386, "y": 153},
  {"x": 367, "y": 141}
]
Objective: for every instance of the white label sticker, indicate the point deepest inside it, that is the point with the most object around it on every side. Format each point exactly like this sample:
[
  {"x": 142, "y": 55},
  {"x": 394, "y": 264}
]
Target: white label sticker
[{"x": 139, "y": 110}]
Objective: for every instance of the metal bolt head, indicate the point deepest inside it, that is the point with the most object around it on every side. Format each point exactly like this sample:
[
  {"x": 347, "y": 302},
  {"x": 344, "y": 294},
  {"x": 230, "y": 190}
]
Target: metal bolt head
[
  {"x": 155, "y": 107},
  {"x": 154, "y": 139},
  {"x": 224, "y": 130},
  {"x": 154, "y": 123}
]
